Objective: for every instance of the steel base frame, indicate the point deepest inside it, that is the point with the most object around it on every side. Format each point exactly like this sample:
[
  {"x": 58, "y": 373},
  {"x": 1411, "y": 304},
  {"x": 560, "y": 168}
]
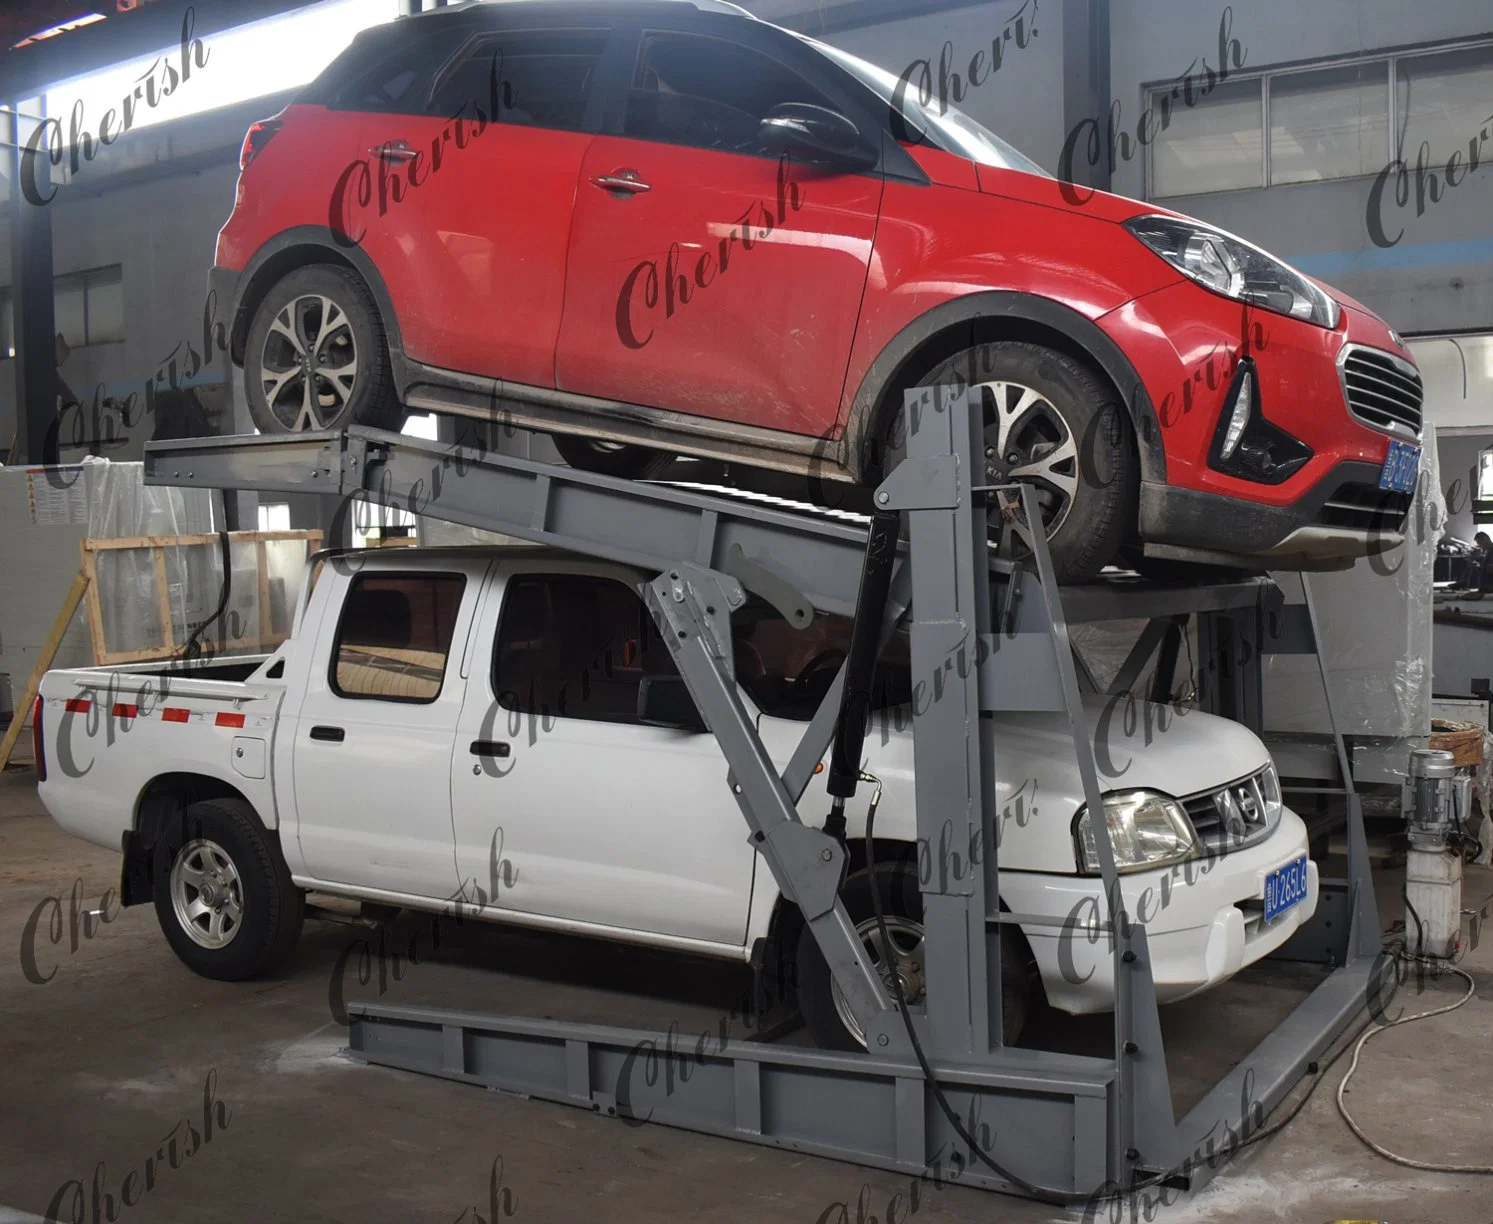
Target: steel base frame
[{"x": 992, "y": 636}]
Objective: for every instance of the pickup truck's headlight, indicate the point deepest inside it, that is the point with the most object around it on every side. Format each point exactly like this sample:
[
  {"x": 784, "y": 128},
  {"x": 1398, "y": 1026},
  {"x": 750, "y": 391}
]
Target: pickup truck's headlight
[
  {"x": 1235, "y": 268},
  {"x": 1146, "y": 829}
]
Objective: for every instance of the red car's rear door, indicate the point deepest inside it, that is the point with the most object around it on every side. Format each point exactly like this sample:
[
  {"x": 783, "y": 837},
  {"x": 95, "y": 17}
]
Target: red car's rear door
[
  {"x": 469, "y": 209},
  {"x": 705, "y": 275}
]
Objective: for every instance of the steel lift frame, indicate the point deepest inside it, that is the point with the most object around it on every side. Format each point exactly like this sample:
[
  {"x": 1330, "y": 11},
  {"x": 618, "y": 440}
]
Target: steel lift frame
[{"x": 991, "y": 635}]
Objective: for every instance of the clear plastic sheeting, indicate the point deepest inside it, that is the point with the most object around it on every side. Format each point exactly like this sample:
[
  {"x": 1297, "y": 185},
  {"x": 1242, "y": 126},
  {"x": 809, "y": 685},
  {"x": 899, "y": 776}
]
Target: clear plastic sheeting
[
  {"x": 1375, "y": 624},
  {"x": 1483, "y": 784},
  {"x": 121, "y": 504},
  {"x": 47, "y": 513},
  {"x": 169, "y": 598}
]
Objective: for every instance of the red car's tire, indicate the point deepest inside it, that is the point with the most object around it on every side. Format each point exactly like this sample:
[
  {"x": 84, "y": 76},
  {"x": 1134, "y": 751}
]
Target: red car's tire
[
  {"x": 1052, "y": 422},
  {"x": 612, "y": 458},
  {"x": 316, "y": 356}
]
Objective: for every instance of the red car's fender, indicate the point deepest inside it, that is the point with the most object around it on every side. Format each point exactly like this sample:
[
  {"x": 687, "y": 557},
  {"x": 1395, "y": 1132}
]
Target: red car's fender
[{"x": 1058, "y": 269}]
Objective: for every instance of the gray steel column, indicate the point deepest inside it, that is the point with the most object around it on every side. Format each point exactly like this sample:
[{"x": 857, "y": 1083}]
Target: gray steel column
[
  {"x": 35, "y": 369},
  {"x": 1086, "y": 84},
  {"x": 953, "y": 761}
]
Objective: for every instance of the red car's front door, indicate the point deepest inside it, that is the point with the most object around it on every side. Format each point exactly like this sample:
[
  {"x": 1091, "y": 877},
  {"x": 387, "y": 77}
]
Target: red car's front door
[{"x": 704, "y": 276}]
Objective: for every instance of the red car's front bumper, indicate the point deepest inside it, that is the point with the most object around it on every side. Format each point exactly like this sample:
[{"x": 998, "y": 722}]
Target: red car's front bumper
[{"x": 1186, "y": 344}]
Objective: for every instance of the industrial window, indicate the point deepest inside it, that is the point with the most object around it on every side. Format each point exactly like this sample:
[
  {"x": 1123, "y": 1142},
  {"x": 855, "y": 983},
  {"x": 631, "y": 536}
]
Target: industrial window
[
  {"x": 1482, "y": 504},
  {"x": 1338, "y": 121},
  {"x": 541, "y": 78},
  {"x": 1329, "y": 124},
  {"x": 574, "y": 646},
  {"x": 395, "y": 636},
  {"x": 1214, "y": 145},
  {"x": 1445, "y": 101},
  {"x": 88, "y": 308},
  {"x": 708, "y": 93}
]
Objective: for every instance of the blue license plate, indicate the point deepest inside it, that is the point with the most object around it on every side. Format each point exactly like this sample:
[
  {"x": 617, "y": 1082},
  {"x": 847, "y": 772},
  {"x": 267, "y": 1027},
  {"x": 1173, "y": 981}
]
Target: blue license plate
[
  {"x": 1284, "y": 887},
  {"x": 1401, "y": 467}
]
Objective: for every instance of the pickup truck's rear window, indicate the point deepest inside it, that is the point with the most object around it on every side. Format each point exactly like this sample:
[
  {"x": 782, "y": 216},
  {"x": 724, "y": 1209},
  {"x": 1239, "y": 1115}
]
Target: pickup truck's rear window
[
  {"x": 576, "y": 646},
  {"x": 394, "y": 636},
  {"x": 787, "y": 670}
]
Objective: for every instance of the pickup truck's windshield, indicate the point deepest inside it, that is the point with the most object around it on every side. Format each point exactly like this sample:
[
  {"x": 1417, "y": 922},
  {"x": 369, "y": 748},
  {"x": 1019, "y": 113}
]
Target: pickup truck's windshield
[
  {"x": 951, "y": 129},
  {"x": 787, "y": 671}
]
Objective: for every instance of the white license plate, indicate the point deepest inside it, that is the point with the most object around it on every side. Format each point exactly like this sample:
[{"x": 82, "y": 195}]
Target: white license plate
[{"x": 1285, "y": 887}]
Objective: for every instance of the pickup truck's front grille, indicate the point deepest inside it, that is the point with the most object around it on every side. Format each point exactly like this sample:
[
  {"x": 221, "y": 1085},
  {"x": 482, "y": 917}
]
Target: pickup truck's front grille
[
  {"x": 1383, "y": 391},
  {"x": 1231, "y": 817},
  {"x": 1366, "y": 507}
]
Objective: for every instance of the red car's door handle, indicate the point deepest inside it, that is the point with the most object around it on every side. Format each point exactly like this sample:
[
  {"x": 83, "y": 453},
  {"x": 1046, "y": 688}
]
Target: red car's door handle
[
  {"x": 394, "y": 151},
  {"x": 628, "y": 182}
]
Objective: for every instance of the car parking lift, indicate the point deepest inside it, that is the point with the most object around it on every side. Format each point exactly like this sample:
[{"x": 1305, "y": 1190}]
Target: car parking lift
[{"x": 987, "y": 634}]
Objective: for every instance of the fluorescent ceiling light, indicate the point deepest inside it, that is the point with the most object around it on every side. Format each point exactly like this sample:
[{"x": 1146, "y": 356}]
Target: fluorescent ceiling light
[
  {"x": 76, "y": 23},
  {"x": 250, "y": 61}
]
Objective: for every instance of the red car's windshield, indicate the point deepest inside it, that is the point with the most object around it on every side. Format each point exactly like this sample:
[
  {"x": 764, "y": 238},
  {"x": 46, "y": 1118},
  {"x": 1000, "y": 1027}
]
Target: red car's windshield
[{"x": 952, "y": 129}]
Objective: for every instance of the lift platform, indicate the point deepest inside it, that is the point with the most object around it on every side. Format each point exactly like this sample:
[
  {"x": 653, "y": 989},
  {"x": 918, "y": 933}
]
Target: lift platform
[{"x": 937, "y": 1088}]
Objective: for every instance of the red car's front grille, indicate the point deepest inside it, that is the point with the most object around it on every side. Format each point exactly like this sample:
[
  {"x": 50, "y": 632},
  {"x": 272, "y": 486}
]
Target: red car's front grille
[
  {"x": 1382, "y": 390},
  {"x": 1365, "y": 507}
]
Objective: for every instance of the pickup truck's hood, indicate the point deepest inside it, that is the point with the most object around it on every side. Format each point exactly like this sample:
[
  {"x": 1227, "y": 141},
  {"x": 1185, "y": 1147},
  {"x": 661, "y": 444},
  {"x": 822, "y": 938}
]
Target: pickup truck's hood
[{"x": 1137, "y": 745}]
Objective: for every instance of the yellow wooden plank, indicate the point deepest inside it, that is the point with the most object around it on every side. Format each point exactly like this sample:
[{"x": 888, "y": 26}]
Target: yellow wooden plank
[
  {"x": 95, "y": 608},
  {"x": 49, "y": 650}
]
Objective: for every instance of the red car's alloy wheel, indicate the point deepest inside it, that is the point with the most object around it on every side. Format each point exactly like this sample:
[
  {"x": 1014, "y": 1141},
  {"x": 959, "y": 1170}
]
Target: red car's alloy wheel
[{"x": 308, "y": 370}]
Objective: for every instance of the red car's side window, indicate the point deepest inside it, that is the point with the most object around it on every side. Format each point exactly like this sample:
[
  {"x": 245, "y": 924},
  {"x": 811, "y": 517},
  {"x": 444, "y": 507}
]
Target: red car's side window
[{"x": 707, "y": 93}]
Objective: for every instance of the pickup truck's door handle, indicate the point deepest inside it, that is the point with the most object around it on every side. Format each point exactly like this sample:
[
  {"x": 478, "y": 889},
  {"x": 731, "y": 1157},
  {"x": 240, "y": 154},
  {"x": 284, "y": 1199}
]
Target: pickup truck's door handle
[
  {"x": 333, "y": 735},
  {"x": 490, "y": 748}
]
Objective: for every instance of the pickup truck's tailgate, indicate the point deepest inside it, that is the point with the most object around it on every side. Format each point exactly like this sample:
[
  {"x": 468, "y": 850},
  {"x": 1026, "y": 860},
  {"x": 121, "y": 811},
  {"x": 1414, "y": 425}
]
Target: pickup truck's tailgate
[{"x": 107, "y": 734}]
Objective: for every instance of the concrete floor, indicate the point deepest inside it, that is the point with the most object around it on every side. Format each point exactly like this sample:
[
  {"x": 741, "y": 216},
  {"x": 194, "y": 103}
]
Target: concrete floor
[{"x": 104, "y": 1066}]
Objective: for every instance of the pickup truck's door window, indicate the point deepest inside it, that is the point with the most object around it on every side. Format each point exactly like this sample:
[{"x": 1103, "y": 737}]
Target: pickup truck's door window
[
  {"x": 604, "y": 819},
  {"x": 374, "y": 736}
]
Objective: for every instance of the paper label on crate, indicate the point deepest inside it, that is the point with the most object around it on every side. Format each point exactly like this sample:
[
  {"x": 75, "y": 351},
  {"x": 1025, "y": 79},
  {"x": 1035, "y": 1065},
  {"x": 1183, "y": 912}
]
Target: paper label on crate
[{"x": 56, "y": 496}]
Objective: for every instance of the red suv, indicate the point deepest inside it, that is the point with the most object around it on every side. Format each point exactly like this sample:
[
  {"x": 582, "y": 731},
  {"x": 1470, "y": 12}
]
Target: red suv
[{"x": 657, "y": 228}]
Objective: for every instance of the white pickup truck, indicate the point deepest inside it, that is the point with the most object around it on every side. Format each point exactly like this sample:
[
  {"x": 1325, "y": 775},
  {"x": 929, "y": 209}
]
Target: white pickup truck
[{"x": 503, "y": 726}]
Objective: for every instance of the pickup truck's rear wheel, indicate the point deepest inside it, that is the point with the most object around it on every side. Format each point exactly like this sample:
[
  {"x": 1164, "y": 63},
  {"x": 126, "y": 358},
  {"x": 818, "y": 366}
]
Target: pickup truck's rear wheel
[
  {"x": 223, "y": 894},
  {"x": 825, "y": 1010}
]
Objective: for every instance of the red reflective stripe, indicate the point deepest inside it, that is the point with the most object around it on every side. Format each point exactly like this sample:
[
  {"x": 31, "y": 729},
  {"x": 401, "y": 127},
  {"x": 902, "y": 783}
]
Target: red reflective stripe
[
  {"x": 125, "y": 710},
  {"x": 229, "y": 720},
  {"x": 78, "y": 705},
  {"x": 175, "y": 714}
]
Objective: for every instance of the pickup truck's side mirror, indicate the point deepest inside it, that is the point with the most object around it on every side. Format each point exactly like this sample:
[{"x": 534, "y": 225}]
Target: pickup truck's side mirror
[
  {"x": 826, "y": 135},
  {"x": 664, "y": 701}
]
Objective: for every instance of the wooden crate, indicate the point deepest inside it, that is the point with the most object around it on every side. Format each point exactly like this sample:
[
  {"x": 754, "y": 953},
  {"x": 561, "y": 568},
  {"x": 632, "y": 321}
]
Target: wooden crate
[
  {"x": 1464, "y": 740},
  {"x": 264, "y": 638}
]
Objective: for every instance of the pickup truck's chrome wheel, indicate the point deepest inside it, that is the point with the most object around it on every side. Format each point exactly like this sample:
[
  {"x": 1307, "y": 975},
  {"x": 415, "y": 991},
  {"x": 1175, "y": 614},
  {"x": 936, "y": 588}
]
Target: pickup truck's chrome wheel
[
  {"x": 207, "y": 894},
  {"x": 308, "y": 369},
  {"x": 904, "y": 958}
]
